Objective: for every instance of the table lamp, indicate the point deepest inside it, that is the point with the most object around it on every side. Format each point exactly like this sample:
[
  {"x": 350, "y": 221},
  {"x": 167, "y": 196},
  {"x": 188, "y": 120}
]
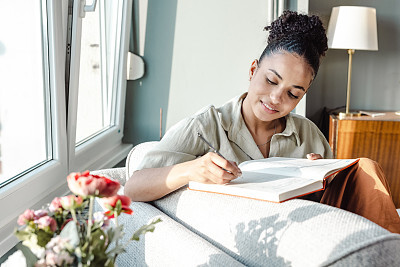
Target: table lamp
[{"x": 352, "y": 28}]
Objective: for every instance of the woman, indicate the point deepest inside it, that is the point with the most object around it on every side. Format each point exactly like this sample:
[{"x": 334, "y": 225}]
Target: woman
[{"x": 259, "y": 124}]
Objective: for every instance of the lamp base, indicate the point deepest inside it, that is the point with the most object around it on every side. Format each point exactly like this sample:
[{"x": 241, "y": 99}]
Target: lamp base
[{"x": 343, "y": 115}]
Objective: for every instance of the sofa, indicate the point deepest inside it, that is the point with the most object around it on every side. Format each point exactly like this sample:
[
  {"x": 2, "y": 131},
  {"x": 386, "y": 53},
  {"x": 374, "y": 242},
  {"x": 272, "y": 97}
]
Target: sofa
[{"x": 206, "y": 229}]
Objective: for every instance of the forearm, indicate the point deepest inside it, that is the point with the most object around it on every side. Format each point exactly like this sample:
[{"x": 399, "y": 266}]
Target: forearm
[{"x": 154, "y": 183}]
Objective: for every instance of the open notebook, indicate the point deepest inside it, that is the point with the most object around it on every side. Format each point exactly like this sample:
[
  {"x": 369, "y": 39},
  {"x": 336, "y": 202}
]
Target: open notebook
[{"x": 278, "y": 179}]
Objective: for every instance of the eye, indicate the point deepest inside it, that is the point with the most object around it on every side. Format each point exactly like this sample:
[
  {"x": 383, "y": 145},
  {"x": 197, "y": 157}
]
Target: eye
[
  {"x": 292, "y": 95},
  {"x": 271, "y": 82}
]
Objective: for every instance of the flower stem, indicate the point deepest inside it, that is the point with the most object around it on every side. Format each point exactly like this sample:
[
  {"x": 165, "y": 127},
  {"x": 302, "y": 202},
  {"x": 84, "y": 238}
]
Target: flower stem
[
  {"x": 116, "y": 218},
  {"x": 116, "y": 225},
  {"x": 89, "y": 224},
  {"x": 73, "y": 214}
]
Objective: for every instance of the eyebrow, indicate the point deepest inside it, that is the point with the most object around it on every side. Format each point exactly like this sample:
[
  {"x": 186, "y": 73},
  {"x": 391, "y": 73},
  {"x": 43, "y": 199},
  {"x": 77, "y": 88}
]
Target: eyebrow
[{"x": 280, "y": 77}]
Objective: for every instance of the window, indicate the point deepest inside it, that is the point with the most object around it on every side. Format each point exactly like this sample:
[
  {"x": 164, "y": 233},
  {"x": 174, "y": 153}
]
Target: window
[
  {"x": 24, "y": 108},
  {"x": 62, "y": 93}
]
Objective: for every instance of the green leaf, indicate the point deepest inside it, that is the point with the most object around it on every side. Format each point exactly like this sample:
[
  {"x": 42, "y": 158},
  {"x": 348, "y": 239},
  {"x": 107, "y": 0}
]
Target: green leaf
[
  {"x": 115, "y": 233},
  {"x": 30, "y": 258},
  {"x": 118, "y": 207},
  {"x": 98, "y": 241},
  {"x": 43, "y": 237},
  {"x": 144, "y": 229},
  {"x": 22, "y": 235}
]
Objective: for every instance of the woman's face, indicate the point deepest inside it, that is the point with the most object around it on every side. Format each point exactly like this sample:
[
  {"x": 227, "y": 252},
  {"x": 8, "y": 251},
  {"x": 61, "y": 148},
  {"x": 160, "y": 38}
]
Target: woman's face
[{"x": 277, "y": 84}]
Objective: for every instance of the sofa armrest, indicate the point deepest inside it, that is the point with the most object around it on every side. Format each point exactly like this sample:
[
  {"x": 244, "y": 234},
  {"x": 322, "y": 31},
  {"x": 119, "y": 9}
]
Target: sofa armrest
[{"x": 136, "y": 155}]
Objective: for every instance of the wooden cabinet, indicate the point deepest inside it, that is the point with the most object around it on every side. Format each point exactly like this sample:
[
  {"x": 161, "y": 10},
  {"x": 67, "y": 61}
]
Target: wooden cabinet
[{"x": 377, "y": 138}]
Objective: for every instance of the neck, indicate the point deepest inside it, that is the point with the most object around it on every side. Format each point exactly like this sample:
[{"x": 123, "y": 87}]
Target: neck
[{"x": 256, "y": 126}]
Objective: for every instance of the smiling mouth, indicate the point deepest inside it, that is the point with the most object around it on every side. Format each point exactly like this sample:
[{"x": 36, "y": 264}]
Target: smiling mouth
[{"x": 268, "y": 107}]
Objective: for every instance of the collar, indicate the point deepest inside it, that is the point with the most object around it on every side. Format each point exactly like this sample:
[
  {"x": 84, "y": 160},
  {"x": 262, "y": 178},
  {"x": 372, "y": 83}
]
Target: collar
[
  {"x": 291, "y": 129},
  {"x": 233, "y": 123}
]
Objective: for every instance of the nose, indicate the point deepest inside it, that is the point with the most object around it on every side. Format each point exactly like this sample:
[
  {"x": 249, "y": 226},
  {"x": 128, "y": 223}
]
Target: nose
[{"x": 276, "y": 96}]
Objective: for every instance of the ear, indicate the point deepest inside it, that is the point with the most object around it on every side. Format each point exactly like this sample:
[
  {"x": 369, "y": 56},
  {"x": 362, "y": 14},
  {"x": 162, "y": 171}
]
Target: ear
[{"x": 253, "y": 69}]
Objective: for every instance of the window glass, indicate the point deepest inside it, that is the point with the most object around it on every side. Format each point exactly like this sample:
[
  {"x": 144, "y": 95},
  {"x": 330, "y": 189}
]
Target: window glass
[
  {"x": 90, "y": 100},
  {"x": 97, "y": 80},
  {"x": 23, "y": 85}
]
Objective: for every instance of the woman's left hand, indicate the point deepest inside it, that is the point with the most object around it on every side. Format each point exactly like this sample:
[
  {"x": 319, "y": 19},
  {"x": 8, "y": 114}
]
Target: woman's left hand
[{"x": 314, "y": 156}]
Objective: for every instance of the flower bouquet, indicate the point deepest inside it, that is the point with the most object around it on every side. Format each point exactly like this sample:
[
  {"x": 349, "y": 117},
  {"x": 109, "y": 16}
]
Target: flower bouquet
[{"x": 69, "y": 233}]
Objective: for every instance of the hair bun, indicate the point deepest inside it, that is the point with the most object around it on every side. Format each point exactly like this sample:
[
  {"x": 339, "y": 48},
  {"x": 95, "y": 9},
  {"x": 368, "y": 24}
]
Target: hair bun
[{"x": 293, "y": 25}]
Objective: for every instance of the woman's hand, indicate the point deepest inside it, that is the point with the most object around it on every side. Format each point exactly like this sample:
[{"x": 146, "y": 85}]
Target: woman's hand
[
  {"x": 213, "y": 169},
  {"x": 314, "y": 156}
]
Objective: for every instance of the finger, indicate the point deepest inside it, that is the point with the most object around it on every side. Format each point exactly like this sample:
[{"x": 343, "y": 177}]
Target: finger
[
  {"x": 226, "y": 165},
  {"x": 313, "y": 156},
  {"x": 239, "y": 171},
  {"x": 218, "y": 175}
]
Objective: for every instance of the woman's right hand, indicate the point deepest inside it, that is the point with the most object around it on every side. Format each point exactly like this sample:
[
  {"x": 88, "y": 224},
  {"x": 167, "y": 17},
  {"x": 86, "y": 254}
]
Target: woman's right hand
[{"x": 213, "y": 169}]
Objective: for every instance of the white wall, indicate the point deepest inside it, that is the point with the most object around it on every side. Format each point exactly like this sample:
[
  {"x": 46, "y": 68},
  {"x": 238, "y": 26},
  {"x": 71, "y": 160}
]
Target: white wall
[{"x": 214, "y": 45}]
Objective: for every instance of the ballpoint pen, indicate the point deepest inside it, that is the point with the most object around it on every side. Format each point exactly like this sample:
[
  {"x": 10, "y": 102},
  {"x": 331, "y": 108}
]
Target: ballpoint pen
[
  {"x": 213, "y": 148},
  {"x": 208, "y": 143}
]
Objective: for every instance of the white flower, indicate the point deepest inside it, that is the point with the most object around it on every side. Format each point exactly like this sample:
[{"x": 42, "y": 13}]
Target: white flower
[
  {"x": 31, "y": 243},
  {"x": 57, "y": 252},
  {"x": 101, "y": 219}
]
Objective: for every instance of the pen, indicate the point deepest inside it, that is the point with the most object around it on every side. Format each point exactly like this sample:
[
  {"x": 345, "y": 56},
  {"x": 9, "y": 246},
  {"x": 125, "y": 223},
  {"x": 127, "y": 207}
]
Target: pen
[
  {"x": 205, "y": 141},
  {"x": 213, "y": 148}
]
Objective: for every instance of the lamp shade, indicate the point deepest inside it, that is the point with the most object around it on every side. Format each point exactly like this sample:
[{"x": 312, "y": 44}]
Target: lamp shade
[{"x": 353, "y": 27}]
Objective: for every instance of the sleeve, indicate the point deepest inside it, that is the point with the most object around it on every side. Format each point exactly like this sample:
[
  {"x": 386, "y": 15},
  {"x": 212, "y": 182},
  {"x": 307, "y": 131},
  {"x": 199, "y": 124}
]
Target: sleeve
[
  {"x": 317, "y": 142},
  {"x": 327, "y": 149}
]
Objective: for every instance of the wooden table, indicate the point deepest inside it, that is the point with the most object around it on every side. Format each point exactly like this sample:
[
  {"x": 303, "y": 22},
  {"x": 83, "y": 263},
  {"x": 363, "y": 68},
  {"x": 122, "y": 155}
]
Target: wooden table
[{"x": 377, "y": 138}]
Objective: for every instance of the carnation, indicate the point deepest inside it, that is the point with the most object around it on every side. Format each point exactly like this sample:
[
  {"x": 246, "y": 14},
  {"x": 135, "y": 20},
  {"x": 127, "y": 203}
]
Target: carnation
[{"x": 85, "y": 184}]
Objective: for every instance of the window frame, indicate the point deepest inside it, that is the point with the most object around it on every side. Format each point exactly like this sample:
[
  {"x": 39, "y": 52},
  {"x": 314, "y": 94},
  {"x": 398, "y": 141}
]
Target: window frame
[
  {"x": 38, "y": 187},
  {"x": 105, "y": 148}
]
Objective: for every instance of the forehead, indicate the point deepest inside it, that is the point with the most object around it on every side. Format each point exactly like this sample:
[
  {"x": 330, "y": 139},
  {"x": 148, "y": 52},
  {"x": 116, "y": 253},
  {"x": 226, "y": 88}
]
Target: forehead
[{"x": 289, "y": 66}]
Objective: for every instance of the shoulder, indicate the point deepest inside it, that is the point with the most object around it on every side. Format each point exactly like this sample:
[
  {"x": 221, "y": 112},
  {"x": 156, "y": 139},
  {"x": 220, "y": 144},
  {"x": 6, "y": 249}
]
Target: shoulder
[
  {"x": 301, "y": 122},
  {"x": 211, "y": 115},
  {"x": 305, "y": 128}
]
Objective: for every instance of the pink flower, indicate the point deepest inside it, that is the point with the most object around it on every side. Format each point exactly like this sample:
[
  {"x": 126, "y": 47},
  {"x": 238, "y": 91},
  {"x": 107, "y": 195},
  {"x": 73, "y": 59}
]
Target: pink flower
[
  {"x": 71, "y": 202},
  {"x": 46, "y": 221},
  {"x": 111, "y": 204},
  {"x": 55, "y": 205},
  {"x": 40, "y": 213},
  {"x": 85, "y": 184},
  {"x": 27, "y": 216}
]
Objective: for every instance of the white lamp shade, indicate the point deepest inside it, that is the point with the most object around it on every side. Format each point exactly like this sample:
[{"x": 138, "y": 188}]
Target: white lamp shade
[{"x": 353, "y": 27}]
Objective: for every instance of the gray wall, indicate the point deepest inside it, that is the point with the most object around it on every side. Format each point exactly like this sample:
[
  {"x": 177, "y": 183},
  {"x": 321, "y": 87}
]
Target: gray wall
[
  {"x": 145, "y": 96},
  {"x": 375, "y": 74}
]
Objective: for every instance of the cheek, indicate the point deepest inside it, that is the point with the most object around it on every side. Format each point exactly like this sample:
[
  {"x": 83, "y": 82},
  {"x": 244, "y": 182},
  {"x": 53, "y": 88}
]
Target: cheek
[{"x": 258, "y": 87}]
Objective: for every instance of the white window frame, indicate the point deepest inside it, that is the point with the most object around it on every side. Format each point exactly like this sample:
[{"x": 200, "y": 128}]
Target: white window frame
[
  {"x": 105, "y": 149},
  {"x": 43, "y": 183},
  {"x": 39, "y": 186}
]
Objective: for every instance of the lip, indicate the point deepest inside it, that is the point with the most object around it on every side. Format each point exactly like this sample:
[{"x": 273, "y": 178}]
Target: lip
[{"x": 268, "y": 108}]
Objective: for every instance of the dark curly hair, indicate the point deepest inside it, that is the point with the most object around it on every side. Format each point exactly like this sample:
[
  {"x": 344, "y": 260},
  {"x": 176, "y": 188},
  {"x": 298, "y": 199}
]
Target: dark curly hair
[{"x": 300, "y": 34}]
